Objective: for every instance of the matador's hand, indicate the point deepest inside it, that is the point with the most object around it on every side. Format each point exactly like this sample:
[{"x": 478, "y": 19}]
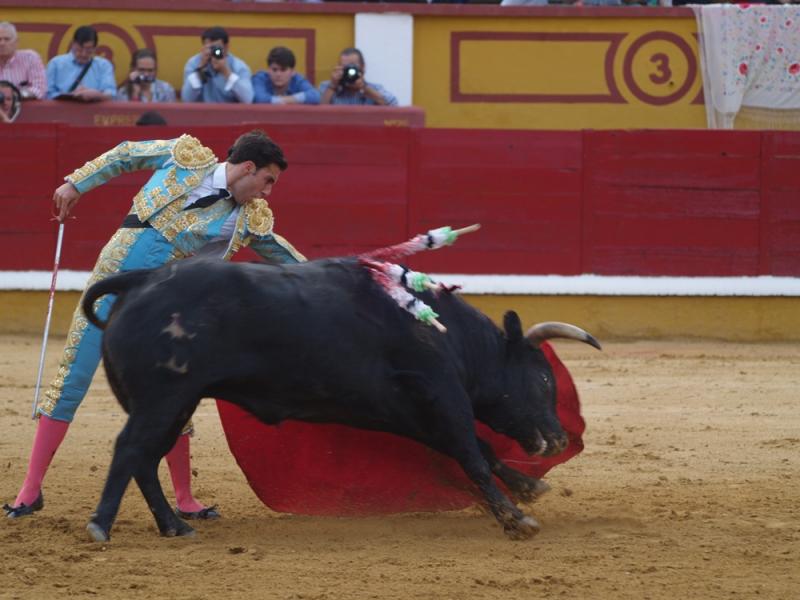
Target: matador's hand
[{"x": 65, "y": 197}]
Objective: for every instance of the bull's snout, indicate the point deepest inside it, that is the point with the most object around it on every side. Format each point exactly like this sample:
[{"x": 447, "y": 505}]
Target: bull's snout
[
  {"x": 556, "y": 444},
  {"x": 546, "y": 445}
]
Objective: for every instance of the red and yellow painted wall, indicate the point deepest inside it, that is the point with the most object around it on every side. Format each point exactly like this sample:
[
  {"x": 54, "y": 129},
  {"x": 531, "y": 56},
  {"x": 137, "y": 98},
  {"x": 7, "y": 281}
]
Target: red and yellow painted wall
[
  {"x": 562, "y": 72},
  {"x": 473, "y": 66}
]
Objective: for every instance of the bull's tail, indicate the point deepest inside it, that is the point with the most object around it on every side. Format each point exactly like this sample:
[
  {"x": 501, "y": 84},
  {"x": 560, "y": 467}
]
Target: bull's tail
[{"x": 116, "y": 284}]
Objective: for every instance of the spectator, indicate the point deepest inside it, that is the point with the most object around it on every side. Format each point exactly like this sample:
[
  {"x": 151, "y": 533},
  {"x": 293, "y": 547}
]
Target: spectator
[
  {"x": 348, "y": 86},
  {"x": 142, "y": 84},
  {"x": 215, "y": 75},
  {"x": 23, "y": 68},
  {"x": 151, "y": 117},
  {"x": 10, "y": 102},
  {"x": 280, "y": 83},
  {"x": 79, "y": 74}
]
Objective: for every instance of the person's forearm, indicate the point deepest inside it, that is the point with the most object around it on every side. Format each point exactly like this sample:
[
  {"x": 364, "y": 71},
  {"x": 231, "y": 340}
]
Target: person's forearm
[
  {"x": 375, "y": 95},
  {"x": 241, "y": 88},
  {"x": 327, "y": 95}
]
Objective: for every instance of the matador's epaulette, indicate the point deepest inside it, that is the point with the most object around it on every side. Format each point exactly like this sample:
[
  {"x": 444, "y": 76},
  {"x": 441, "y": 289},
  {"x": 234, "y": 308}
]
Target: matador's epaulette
[
  {"x": 189, "y": 153},
  {"x": 259, "y": 217}
]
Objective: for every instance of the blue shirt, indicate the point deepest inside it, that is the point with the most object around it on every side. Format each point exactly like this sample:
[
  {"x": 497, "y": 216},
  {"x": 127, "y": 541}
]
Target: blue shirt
[
  {"x": 216, "y": 88},
  {"x": 63, "y": 70},
  {"x": 299, "y": 87},
  {"x": 345, "y": 96}
]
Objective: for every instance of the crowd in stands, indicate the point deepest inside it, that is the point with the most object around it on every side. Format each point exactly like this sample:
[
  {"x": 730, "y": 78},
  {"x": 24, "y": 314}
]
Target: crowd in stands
[{"x": 214, "y": 74}]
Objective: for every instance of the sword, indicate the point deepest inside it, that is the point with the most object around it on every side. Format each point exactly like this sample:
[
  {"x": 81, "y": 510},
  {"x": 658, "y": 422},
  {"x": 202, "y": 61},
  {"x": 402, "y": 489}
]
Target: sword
[{"x": 47, "y": 321}]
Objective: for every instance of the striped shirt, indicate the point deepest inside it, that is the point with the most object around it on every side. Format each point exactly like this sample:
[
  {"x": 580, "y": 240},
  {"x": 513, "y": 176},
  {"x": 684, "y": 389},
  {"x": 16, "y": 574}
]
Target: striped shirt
[{"x": 25, "y": 70}]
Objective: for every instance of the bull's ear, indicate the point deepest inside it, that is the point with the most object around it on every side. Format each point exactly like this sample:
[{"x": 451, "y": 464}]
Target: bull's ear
[{"x": 513, "y": 326}]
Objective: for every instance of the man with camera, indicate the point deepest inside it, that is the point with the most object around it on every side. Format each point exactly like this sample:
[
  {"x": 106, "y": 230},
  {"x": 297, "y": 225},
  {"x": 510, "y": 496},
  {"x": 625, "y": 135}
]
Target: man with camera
[
  {"x": 216, "y": 75},
  {"x": 348, "y": 86},
  {"x": 142, "y": 84}
]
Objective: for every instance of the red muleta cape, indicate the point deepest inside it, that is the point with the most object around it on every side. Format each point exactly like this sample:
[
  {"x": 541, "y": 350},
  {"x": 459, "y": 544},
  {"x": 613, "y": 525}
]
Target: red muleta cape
[{"x": 314, "y": 469}]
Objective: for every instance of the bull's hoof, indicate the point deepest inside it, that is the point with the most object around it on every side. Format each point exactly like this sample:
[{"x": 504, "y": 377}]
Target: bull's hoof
[
  {"x": 97, "y": 533},
  {"x": 181, "y": 530},
  {"x": 522, "y": 529},
  {"x": 531, "y": 489}
]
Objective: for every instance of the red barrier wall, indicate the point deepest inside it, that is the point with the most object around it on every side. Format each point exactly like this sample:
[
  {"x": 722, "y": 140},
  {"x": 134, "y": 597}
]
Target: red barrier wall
[{"x": 610, "y": 202}]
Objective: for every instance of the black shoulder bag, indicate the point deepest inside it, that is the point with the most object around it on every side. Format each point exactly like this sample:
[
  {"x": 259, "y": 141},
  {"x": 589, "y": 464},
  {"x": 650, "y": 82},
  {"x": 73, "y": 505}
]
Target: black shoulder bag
[{"x": 80, "y": 76}]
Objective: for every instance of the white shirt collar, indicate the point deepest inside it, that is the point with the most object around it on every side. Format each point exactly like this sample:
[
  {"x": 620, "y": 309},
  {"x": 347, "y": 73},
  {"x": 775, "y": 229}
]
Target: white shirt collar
[{"x": 219, "y": 179}]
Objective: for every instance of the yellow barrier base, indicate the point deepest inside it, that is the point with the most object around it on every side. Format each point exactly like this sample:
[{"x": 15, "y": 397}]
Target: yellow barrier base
[{"x": 738, "y": 319}]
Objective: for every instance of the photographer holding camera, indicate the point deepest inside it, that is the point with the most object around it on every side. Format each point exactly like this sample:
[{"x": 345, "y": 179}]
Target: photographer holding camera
[
  {"x": 216, "y": 75},
  {"x": 141, "y": 84},
  {"x": 348, "y": 86}
]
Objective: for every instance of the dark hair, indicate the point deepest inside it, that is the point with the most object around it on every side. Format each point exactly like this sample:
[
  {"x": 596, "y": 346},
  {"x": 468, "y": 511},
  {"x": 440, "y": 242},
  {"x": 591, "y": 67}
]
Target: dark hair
[
  {"x": 257, "y": 146},
  {"x": 85, "y": 33},
  {"x": 215, "y": 33},
  {"x": 151, "y": 117},
  {"x": 281, "y": 56},
  {"x": 355, "y": 51},
  {"x": 142, "y": 53},
  {"x": 16, "y": 99}
]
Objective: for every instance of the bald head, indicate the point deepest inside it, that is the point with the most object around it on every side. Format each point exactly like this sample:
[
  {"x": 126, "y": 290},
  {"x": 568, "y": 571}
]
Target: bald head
[{"x": 8, "y": 40}]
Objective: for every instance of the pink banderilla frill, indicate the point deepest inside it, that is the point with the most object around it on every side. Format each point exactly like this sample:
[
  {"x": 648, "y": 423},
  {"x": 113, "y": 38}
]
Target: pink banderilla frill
[{"x": 394, "y": 278}]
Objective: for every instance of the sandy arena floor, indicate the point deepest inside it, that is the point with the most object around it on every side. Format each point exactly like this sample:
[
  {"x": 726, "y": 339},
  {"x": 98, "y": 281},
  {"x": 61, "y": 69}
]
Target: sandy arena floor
[{"x": 688, "y": 488}]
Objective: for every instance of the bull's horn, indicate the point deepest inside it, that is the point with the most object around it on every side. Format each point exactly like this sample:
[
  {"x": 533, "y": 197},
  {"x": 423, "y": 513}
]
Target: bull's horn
[{"x": 553, "y": 329}]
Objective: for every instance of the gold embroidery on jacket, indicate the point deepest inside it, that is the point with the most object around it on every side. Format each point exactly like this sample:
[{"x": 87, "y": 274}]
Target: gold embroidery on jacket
[
  {"x": 286, "y": 245},
  {"x": 259, "y": 217},
  {"x": 171, "y": 184},
  {"x": 120, "y": 152},
  {"x": 189, "y": 153}
]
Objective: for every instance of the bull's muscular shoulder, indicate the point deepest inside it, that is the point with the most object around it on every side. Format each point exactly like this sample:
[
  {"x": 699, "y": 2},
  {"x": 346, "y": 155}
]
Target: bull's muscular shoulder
[
  {"x": 190, "y": 154},
  {"x": 259, "y": 217}
]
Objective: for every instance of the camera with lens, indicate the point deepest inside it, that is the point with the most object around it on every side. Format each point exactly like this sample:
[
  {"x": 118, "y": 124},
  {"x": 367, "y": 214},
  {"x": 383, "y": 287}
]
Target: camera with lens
[
  {"x": 350, "y": 74},
  {"x": 217, "y": 51},
  {"x": 140, "y": 79}
]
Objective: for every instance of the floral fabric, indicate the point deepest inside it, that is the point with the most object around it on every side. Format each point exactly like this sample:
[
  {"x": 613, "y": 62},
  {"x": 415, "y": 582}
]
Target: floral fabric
[{"x": 750, "y": 55}]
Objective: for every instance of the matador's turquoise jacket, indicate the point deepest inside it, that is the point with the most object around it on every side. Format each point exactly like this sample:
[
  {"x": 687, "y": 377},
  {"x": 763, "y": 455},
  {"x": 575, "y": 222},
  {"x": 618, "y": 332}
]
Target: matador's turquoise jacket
[{"x": 180, "y": 166}]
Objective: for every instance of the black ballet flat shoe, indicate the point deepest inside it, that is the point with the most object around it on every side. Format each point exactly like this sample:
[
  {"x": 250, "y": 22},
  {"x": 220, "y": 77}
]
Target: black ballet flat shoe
[
  {"x": 207, "y": 514},
  {"x": 23, "y": 510}
]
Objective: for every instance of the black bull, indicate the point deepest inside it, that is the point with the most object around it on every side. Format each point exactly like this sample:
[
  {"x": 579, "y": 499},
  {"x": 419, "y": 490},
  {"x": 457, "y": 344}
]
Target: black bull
[{"x": 319, "y": 342}]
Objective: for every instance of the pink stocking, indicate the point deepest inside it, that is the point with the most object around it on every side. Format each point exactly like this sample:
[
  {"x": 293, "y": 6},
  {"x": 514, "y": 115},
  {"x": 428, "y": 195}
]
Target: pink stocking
[
  {"x": 49, "y": 435},
  {"x": 180, "y": 471}
]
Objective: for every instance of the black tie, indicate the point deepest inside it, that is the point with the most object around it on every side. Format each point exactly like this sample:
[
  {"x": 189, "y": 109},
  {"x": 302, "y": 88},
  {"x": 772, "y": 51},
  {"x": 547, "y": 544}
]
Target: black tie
[{"x": 209, "y": 200}]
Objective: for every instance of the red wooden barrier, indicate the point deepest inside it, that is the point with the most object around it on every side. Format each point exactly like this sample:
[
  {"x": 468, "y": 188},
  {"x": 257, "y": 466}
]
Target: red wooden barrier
[
  {"x": 606, "y": 202},
  {"x": 524, "y": 187},
  {"x": 29, "y": 171},
  {"x": 178, "y": 114},
  {"x": 671, "y": 203},
  {"x": 780, "y": 204}
]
